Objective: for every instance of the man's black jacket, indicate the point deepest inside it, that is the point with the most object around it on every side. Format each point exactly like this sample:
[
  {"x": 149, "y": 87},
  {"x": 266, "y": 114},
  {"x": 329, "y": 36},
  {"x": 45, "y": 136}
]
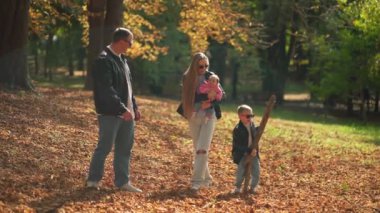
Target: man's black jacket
[{"x": 110, "y": 84}]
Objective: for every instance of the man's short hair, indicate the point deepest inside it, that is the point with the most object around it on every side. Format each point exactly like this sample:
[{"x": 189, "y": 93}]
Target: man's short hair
[
  {"x": 242, "y": 108},
  {"x": 121, "y": 33}
]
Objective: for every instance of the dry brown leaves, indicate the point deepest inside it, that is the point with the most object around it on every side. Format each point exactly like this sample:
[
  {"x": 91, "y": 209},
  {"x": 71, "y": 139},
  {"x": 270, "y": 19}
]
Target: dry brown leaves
[{"x": 47, "y": 139}]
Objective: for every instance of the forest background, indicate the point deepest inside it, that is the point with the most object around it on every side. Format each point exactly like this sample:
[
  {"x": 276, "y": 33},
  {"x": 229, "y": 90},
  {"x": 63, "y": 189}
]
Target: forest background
[
  {"x": 320, "y": 151},
  {"x": 326, "y": 50}
]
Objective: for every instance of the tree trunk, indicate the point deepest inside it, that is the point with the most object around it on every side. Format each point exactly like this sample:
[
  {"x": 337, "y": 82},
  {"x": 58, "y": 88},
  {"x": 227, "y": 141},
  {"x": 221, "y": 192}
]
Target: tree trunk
[
  {"x": 48, "y": 57},
  {"x": 234, "y": 66},
  {"x": 96, "y": 14},
  {"x": 104, "y": 17},
  {"x": 36, "y": 62},
  {"x": 277, "y": 16},
  {"x": 14, "y": 17},
  {"x": 81, "y": 55},
  {"x": 377, "y": 102},
  {"x": 363, "y": 112},
  {"x": 218, "y": 59},
  {"x": 71, "y": 64},
  {"x": 350, "y": 105},
  {"x": 113, "y": 19},
  {"x": 278, "y": 57}
]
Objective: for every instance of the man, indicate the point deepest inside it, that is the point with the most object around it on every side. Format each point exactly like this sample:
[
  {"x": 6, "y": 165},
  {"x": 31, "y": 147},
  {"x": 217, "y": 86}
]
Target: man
[{"x": 117, "y": 111}]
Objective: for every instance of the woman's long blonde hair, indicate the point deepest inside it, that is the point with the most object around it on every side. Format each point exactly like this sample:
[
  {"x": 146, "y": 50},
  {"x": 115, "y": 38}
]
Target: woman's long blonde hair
[{"x": 190, "y": 83}]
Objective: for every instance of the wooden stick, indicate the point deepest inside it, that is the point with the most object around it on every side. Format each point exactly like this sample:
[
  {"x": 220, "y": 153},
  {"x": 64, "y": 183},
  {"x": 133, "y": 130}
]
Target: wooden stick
[{"x": 263, "y": 123}]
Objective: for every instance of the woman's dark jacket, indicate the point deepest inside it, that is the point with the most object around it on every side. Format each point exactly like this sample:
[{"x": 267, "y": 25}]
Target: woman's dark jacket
[
  {"x": 110, "y": 84},
  {"x": 204, "y": 97},
  {"x": 240, "y": 141}
]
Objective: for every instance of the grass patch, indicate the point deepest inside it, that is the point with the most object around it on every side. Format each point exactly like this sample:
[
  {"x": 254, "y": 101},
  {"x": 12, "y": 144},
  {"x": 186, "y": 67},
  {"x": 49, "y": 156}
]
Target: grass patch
[
  {"x": 295, "y": 87},
  {"x": 61, "y": 79},
  {"x": 326, "y": 130}
]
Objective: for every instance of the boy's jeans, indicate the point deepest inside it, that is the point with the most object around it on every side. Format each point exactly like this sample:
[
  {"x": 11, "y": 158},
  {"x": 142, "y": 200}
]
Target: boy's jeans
[
  {"x": 255, "y": 172},
  {"x": 113, "y": 130},
  {"x": 201, "y": 133}
]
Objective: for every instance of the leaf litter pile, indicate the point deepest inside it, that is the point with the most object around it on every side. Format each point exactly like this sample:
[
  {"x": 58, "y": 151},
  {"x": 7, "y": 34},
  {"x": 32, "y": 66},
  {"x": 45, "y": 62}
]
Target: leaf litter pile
[{"x": 47, "y": 139}]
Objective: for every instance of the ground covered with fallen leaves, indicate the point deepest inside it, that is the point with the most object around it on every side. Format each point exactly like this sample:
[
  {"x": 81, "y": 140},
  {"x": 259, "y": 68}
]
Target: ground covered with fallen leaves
[{"x": 47, "y": 139}]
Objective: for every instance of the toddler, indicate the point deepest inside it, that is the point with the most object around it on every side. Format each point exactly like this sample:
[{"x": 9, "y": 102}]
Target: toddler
[
  {"x": 212, "y": 88},
  {"x": 243, "y": 136}
]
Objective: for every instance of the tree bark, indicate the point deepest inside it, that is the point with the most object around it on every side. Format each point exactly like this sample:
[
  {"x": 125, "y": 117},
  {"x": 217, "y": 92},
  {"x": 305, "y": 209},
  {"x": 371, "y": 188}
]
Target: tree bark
[
  {"x": 377, "y": 102},
  {"x": 218, "y": 59},
  {"x": 70, "y": 64},
  {"x": 48, "y": 57},
  {"x": 14, "y": 16},
  {"x": 235, "y": 76},
  {"x": 277, "y": 17},
  {"x": 113, "y": 19},
  {"x": 278, "y": 63},
  {"x": 96, "y": 14}
]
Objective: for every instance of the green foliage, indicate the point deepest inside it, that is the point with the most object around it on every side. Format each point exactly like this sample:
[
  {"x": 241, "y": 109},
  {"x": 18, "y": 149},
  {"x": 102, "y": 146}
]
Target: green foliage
[
  {"x": 163, "y": 76},
  {"x": 346, "y": 61},
  {"x": 334, "y": 44}
]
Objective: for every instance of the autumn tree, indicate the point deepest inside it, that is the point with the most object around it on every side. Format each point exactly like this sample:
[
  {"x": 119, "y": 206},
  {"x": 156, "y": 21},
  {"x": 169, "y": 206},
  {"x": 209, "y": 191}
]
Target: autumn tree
[
  {"x": 104, "y": 16},
  {"x": 218, "y": 20},
  {"x": 184, "y": 27},
  {"x": 14, "y": 16},
  {"x": 280, "y": 29},
  {"x": 55, "y": 34},
  {"x": 220, "y": 25}
]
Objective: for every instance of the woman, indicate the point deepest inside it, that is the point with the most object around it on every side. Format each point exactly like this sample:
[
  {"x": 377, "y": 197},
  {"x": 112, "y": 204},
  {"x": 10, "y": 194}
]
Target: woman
[{"x": 201, "y": 127}]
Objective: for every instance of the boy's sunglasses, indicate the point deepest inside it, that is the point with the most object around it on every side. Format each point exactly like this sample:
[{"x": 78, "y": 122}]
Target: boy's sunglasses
[
  {"x": 203, "y": 66},
  {"x": 249, "y": 116}
]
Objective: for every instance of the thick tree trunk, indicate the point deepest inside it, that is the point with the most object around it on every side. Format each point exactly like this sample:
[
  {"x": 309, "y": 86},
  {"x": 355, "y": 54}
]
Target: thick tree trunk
[
  {"x": 14, "y": 17},
  {"x": 218, "y": 59},
  {"x": 48, "y": 57},
  {"x": 104, "y": 17},
  {"x": 278, "y": 16},
  {"x": 113, "y": 19},
  {"x": 96, "y": 14},
  {"x": 278, "y": 62}
]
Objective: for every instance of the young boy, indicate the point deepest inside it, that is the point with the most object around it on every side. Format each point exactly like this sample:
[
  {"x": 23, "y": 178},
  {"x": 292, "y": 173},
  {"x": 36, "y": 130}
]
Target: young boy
[{"x": 243, "y": 136}]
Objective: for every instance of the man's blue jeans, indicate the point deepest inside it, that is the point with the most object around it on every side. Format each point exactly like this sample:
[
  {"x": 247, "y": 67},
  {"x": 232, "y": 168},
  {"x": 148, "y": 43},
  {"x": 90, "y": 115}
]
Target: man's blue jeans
[
  {"x": 113, "y": 130},
  {"x": 255, "y": 172}
]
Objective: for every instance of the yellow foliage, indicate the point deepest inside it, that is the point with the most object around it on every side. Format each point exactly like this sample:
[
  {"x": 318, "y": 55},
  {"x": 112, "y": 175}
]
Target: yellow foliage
[
  {"x": 200, "y": 20},
  {"x": 145, "y": 42},
  {"x": 150, "y": 7},
  {"x": 44, "y": 15},
  {"x": 216, "y": 19}
]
